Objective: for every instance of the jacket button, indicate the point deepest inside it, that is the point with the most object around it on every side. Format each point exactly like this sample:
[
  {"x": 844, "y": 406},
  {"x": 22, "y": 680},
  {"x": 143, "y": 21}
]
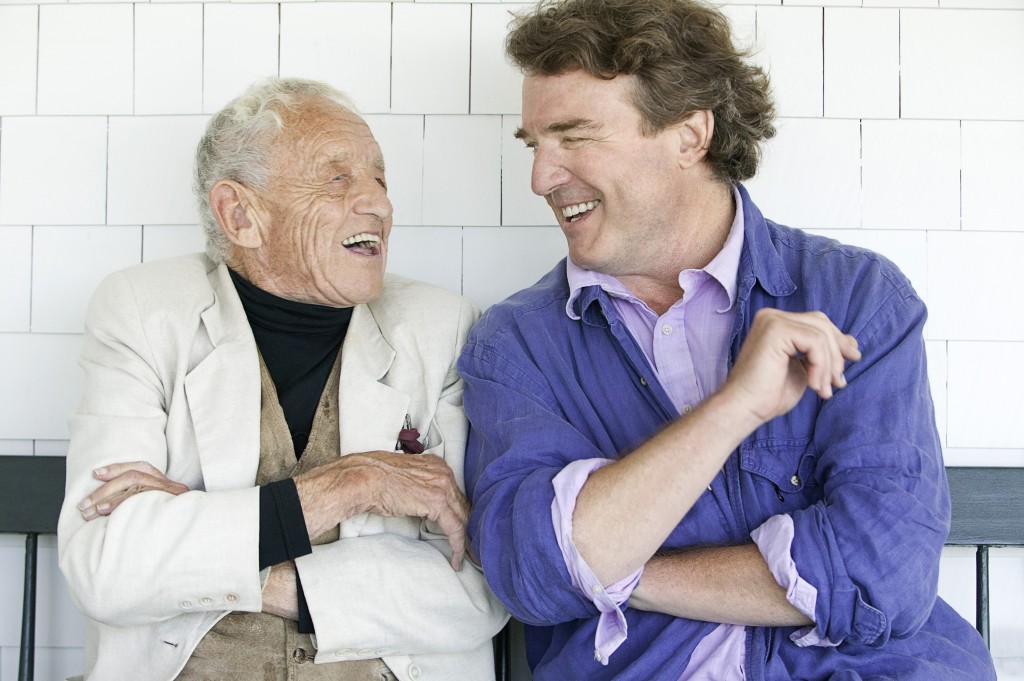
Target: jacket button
[
  {"x": 206, "y": 600},
  {"x": 186, "y": 604},
  {"x": 414, "y": 672},
  {"x": 366, "y": 652},
  {"x": 795, "y": 481},
  {"x": 300, "y": 655},
  {"x": 231, "y": 598}
]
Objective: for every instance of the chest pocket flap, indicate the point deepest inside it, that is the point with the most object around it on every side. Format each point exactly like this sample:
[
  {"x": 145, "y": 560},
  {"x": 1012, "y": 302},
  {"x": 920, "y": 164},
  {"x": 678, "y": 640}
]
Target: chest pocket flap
[{"x": 786, "y": 463}]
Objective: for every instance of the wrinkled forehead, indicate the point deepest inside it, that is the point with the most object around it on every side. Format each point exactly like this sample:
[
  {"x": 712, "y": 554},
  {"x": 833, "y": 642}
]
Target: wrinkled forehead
[
  {"x": 318, "y": 131},
  {"x": 572, "y": 100}
]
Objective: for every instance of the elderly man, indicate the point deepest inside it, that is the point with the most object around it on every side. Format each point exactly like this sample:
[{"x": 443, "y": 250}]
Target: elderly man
[
  {"x": 295, "y": 510},
  {"x": 641, "y": 424}
]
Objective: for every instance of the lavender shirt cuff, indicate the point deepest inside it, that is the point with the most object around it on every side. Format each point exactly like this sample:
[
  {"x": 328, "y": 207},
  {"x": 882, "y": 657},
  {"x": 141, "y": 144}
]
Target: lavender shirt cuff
[
  {"x": 611, "y": 624},
  {"x": 774, "y": 538}
]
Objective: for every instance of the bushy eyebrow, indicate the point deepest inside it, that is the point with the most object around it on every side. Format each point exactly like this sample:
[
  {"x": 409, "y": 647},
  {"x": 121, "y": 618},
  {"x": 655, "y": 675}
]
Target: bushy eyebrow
[
  {"x": 563, "y": 126},
  {"x": 346, "y": 158}
]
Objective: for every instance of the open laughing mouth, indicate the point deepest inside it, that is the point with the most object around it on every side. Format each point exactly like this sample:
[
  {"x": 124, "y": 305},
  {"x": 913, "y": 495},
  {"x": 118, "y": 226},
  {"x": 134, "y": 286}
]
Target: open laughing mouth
[
  {"x": 363, "y": 244},
  {"x": 577, "y": 211}
]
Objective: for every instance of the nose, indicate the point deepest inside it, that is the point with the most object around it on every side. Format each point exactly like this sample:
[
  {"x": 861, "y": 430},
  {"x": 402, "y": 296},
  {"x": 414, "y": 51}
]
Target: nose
[
  {"x": 372, "y": 199},
  {"x": 548, "y": 172}
]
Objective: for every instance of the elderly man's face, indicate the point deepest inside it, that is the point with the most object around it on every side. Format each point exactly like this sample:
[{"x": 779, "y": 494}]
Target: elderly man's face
[{"x": 327, "y": 209}]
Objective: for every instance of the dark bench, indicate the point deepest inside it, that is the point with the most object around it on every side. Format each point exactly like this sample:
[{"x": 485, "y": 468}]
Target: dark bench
[
  {"x": 31, "y": 492},
  {"x": 988, "y": 510}
]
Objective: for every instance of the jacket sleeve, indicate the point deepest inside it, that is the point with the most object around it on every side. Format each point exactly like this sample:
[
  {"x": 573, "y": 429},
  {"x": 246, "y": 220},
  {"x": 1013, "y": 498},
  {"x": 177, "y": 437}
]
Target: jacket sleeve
[
  {"x": 871, "y": 545},
  {"x": 158, "y": 555},
  {"x": 393, "y": 594},
  {"x": 518, "y": 443}
]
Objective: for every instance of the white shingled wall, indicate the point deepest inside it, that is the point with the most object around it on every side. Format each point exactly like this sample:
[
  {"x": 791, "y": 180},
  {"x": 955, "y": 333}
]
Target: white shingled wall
[{"x": 902, "y": 130}]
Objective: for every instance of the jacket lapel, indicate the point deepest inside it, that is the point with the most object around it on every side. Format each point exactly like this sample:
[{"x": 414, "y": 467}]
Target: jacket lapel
[
  {"x": 370, "y": 411},
  {"x": 223, "y": 392}
]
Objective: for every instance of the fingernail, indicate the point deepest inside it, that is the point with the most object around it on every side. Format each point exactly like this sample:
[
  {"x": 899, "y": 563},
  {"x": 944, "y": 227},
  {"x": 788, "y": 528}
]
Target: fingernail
[
  {"x": 100, "y": 471},
  {"x": 842, "y": 380},
  {"x": 89, "y": 513},
  {"x": 103, "y": 508},
  {"x": 84, "y": 504}
]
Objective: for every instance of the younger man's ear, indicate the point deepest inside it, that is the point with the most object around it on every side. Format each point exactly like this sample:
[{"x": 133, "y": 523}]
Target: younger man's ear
[
  {"x": 234, "y": 208},
  {"x": 695, "y": 132}
]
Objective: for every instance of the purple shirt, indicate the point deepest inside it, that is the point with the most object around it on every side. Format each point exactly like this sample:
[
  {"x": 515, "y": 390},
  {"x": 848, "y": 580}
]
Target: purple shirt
[
  {"x": 859, "y": 477},
  {"x": 688, "y": 349}
]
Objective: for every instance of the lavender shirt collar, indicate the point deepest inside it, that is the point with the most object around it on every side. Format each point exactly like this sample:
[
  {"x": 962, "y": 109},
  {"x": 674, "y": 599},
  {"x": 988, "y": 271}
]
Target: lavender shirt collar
[{"x": 723, "y": 269}]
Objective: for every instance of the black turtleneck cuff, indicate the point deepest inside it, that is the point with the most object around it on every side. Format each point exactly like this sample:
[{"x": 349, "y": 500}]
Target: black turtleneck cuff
[
  {"x": 305, "y": 623},
  {"x": 283, "y": 536},
  {"x": 283, "y": 533}
]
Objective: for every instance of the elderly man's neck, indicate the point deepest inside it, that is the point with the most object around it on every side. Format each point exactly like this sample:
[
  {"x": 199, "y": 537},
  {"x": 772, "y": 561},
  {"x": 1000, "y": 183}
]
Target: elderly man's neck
[{"x": 259, "y": 276}]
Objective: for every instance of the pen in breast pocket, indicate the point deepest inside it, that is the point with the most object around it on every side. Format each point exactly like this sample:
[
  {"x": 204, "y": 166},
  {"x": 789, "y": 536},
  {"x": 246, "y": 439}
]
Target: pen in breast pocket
[{"x": 408, "y": 439}]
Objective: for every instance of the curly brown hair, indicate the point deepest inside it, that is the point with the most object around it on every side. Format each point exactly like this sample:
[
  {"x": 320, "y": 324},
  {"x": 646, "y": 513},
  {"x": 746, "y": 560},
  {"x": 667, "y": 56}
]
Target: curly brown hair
[{"x": 681, "y": 54}]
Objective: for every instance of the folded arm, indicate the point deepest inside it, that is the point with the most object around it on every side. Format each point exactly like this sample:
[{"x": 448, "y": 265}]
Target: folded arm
[
  {"x": 871, "y": 545},
  {"x": 408, "y": 591},
  {"x": 635, "y": 502},
  {"x": 164, "y": 554},
  {"x": 728, "y": 584},
  {"x": 386, "y": 484},
  {"x": 864, "y": 557}
]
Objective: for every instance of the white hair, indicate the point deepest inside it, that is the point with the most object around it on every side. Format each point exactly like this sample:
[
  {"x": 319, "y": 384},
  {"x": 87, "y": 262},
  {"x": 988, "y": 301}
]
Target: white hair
[{"x": 239, "y": 139}]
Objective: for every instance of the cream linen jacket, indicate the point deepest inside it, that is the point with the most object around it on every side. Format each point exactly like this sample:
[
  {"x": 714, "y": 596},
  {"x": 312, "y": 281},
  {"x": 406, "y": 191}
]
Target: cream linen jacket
[{"x": 172, "y": 378}]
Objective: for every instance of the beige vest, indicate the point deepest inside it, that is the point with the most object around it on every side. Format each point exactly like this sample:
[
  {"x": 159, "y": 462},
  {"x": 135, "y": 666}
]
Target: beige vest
[{"x": 246, "y": 646}]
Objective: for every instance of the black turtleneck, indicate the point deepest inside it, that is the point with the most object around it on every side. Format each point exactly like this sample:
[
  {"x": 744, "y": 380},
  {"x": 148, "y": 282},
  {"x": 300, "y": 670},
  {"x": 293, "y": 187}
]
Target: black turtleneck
[{"x": 299, "y": 343}]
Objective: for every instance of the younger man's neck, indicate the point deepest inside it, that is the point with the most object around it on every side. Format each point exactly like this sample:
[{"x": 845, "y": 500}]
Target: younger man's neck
[{"x": 704, "y": 229}]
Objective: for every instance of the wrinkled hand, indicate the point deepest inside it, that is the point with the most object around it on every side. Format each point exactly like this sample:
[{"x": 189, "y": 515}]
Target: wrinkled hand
[
  {"x": 786, "y": 353},
  {"x": 388, "y": 484},
  {"x": 123, "y": 481},
  {"x": 424, "y": 486}
]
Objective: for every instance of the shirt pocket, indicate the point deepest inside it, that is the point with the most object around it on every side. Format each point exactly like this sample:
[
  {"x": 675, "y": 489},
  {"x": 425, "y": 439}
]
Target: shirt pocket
[{"x": 780, "y": 473}]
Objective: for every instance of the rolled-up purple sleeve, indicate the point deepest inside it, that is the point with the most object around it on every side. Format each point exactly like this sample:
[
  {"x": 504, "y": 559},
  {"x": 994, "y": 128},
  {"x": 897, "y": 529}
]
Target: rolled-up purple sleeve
[
  {"x": 871, "y": 544},
  {"x": 774, "y": 538},
  {"x": 611, "y": 624}
]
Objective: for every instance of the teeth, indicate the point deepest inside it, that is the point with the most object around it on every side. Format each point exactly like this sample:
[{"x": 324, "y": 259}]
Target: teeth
[
  {"x": 361, "y": 238},
  {"x": 570, "y": 211}
]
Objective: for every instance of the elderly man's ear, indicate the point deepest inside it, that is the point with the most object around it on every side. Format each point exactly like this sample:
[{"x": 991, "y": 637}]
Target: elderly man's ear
[{"x": 235, "y": 208}]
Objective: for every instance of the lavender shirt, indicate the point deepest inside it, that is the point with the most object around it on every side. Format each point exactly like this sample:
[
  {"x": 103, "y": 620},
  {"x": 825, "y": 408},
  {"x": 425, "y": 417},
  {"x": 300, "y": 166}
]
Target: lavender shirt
[{"x": 688, "y": 349}]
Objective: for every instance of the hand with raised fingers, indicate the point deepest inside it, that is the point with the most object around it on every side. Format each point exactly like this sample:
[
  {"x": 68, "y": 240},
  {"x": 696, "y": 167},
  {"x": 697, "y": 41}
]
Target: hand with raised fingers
[
  {"x": 786, "y": 353},
  {"x": 389, "y": 484},
  {"x": 122, "y": 481}
]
